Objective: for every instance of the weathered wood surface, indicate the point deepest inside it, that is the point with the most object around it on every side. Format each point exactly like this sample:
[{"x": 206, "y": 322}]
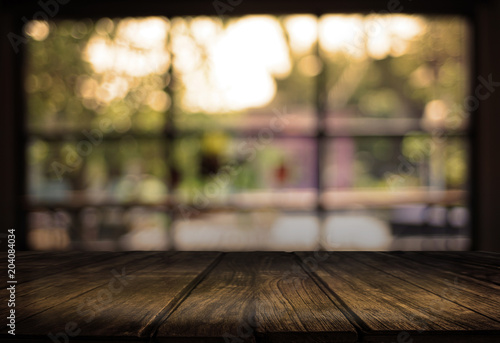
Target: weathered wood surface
[
  {"x": 34, "y": 266},
  {"x": 291, "y": 307},
  {"x": 256, "y": 297},
  {"x": 488, "y": 274},
  {"x": 385, "y": 305},
  {"x": 464, "y": 291},
  {"x": 251, "y": 297},
  {"x": 120, "y": 299}
]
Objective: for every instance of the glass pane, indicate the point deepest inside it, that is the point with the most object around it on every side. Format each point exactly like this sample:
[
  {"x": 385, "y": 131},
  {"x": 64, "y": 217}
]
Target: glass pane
[
  {"x": 239, "y": 231},
  {"x": 82, "y": 172},
  {"x": 223, "y": 112},
  {"x": 50, "y": 230},
  {"x": 240, "y": 73},
  {"x": 261, "y": 172},
  {"x": 103, "y": 75},
  {"x": 399, "y": 227},
  {"x": 410, "y": 68},
  {"x": 392, "y": 163},
  {"x": 99, "y": 228}
]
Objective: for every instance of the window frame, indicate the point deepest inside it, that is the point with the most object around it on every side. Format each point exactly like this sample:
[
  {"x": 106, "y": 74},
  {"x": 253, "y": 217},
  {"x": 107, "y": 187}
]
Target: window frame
[{"x": 94, "y": 9}]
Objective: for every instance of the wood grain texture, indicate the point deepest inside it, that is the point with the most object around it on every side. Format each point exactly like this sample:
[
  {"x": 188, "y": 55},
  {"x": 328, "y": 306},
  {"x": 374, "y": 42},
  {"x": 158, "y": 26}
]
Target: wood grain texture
[
  {"x": 129, "y": 300},
  {"x": 258, "y": 297},
  {"x": 291, "y": 307},
  {"x": 266, "y": 297},
  {"x": 469, "y": 258},
  {"x": 466, "y": 292},
  {"x": 40, "y": 265},
  {"x": 475, "y": 271},
  {"x": 385, "y": 306},
  {"x": 50, "y": 291},
  {"x": 221, "y": 308}
]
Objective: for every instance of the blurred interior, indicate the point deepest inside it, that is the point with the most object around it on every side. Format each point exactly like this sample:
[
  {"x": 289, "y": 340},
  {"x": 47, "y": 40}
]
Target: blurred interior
[{"x": 257, "y": 132}]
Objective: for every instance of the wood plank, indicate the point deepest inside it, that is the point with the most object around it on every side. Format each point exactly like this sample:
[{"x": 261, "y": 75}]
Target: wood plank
[
  {"x": 472, "y": 258},
  {"x": 464, "y": 291},
  {"x": 487, "y": 275},
  {"x": 126, "y": 308},
  {"x": 488, "y": 253},
  {"x": 384, "y": 306},
  {"x": 41, "y": 266},
  {"x": 260, "y": 297},
  {"x": 221, "y": 308},
  {"x": 50, "y": 291},
  {"x": 29, "y": 259},
  {"x": 291, "y": 307},
  {"x": 46, "y": 264},
  {"x": 264, "y": 297}
]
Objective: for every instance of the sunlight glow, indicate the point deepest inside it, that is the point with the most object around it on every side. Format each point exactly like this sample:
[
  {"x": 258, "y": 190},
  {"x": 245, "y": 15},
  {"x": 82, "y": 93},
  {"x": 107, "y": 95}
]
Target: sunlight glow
[
  {"x": 435, "y": 114},
  {"x": 138, "y": 48},
  {"x": 37, "y": 29},
  {"x": 310, "y": 65},
  {"x": 302, "y": 32},
  {"x": 341, "y": 32},
  {"x": 374, "y": 36},
  {"x": 236, "y": 68},
  {"x": 232, "y": 66}
]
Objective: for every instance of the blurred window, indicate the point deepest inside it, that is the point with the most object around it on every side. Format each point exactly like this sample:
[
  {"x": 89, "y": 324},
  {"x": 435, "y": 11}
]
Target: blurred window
[{"x": 245, "y": 133}]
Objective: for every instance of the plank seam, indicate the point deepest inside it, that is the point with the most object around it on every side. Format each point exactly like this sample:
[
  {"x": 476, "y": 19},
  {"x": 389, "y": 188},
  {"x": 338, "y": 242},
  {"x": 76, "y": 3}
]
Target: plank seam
[
  {"x": 427, "y": 290},
  {"x": 150, "y": 330},
  {"x": 73, "y": 297},
  {"x": 358, "y": 324}
]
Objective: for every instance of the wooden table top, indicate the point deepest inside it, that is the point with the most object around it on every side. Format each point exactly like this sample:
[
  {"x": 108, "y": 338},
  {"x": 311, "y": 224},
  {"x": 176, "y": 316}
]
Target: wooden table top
[{"x": 255, "y": 297}]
